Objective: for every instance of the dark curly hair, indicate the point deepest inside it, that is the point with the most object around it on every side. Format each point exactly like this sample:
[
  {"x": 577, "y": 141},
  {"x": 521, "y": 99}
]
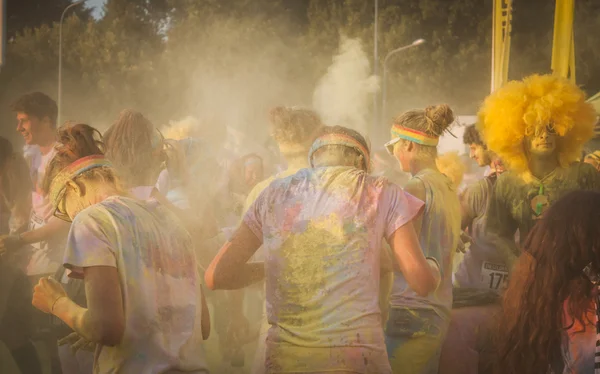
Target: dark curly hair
[
  {"x": 37, "y": 104},
  {"x": 472, "y": 136}
]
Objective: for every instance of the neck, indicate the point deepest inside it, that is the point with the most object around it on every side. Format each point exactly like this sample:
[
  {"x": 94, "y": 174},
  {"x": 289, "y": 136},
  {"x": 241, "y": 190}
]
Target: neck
[
  {"x": 296, "y": 162},
  {"x": 104, "y": 191},
  {"x": 46, "y": 143},
  {"x": 540, "y": 166},
  {"x": 416, "y": 165}
]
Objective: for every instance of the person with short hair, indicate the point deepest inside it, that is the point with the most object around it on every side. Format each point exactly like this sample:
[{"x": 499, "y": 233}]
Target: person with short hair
[
  {"x": 322, "y": 230},
  {"x": 36, "y": 121},
  {"x": 482, "y": 266}
]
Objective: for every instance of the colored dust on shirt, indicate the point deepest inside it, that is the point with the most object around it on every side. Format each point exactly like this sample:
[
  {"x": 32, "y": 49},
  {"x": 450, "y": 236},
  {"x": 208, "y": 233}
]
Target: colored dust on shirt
[{"x": 322, "y": 233}]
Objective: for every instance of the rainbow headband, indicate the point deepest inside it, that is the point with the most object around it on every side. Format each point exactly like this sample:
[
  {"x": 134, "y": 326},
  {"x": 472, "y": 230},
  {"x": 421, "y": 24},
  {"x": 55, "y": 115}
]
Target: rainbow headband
[
  {"x": 59, "y": 183},
  {"x": 339, "y": 139},
  {"x": 414, "y": 136}
]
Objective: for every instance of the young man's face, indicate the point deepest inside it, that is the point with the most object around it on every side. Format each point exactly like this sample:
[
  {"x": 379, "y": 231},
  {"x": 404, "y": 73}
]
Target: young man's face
[
  {"x": 31, "y": 127},
  {"x": 543, "y": 143},
  {"x": 478, "y": 153}
]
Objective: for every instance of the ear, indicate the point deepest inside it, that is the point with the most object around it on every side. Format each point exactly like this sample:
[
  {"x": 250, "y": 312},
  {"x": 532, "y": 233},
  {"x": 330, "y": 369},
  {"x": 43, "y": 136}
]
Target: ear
[
  {"x": 46, "y": 121},
  {"x": 77, "y": 187}
]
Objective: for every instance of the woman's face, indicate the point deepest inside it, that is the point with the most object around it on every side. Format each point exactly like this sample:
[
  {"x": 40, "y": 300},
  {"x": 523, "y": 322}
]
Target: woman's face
[
  {"x": 76, "y": 198},
  {"x": 403, "y": 155}
]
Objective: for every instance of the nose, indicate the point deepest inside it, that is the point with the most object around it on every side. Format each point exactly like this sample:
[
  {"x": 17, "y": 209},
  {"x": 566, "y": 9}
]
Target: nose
[
  {"x": 544, "y": 135},
  {"x": 471, "y": 153},
  {"x": 19, "y": 126}
]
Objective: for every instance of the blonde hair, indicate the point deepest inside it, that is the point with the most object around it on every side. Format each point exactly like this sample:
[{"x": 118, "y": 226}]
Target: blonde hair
[
  {"x": 519, "y": 108},
  {"x": 135, "y": 148},
  {"x": 433, "y": 121}
]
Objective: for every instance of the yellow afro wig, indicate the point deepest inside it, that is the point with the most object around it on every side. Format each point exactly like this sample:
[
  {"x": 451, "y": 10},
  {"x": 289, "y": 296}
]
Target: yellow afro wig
[{"x": 521, "y": 107}]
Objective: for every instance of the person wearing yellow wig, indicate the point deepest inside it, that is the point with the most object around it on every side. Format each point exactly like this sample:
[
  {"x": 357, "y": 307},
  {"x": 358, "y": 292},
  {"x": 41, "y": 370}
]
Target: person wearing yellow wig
[{"x": 538, "y": 126}]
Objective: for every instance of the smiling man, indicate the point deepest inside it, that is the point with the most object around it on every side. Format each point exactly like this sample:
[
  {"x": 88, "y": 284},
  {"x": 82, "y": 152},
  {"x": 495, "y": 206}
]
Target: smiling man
[
  {"x": 474, "y": 270},
  {"x": 36, "y": 121},
  {"x": 538, "y": 126}
]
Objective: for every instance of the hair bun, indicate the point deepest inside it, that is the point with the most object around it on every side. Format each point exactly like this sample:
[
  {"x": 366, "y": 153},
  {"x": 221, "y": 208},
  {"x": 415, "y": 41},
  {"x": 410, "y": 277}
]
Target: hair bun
[{"x": 440, "y": 116}]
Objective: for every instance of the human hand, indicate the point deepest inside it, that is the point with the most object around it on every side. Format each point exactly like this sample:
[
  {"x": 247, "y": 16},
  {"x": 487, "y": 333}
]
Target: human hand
[
  {"x": 462, "y": 243},
  {"x": 46, "y": 293},
  {"x": 77, "y": 342}
]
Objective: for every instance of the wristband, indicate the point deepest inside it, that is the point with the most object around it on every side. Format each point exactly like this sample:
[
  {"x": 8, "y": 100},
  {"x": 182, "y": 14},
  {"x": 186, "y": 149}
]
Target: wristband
[{"x": 54, "y": 303}]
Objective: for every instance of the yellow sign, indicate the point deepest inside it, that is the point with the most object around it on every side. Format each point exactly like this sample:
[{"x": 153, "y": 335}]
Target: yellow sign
[
  {"x": 563, "y": 45},
  {"x": 502, "y": 18}
]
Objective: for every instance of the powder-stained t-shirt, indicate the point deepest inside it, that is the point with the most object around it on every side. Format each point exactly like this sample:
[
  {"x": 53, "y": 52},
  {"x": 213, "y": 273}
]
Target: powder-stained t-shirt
[
  {"x": 161, "y": 289},
  {"x": 439, "y": 236},
  {"x": 255, "y": 193},
  {"x": 46, "y": 255},
  {"x": 516, "y": 204},
  {"x": 322, "y": 231},
  {"x": 483, "y": 266}
]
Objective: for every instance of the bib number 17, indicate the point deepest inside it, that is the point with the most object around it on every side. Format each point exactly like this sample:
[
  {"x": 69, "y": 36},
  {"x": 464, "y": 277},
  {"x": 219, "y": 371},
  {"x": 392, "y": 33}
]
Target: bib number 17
[{"x": 496, "y": 275}]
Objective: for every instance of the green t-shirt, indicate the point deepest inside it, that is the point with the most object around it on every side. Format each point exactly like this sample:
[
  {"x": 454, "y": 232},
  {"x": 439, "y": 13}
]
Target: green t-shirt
[{"x": 517, "y": 205}]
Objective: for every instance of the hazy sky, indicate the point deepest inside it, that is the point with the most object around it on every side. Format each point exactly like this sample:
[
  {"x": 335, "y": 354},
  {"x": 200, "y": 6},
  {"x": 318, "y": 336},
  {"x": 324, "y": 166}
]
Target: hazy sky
[{"x": 95, "y": 4}]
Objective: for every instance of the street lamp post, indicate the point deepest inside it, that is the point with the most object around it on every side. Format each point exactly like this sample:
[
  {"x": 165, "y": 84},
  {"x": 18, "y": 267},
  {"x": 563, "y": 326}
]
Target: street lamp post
[
  {"x": 58, "y": 121},
  {"x": 375, "y": 64},
  {"x": 384, "y": 81}
]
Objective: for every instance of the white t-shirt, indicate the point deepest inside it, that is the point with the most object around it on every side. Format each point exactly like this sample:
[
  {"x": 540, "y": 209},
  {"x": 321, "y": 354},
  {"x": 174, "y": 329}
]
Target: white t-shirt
[
  {"x": 41, "y": 206},
  {"x": 161, "y": 288},
  {"x": 322, "y": 232},
  {"x": 46, "y": 256}
]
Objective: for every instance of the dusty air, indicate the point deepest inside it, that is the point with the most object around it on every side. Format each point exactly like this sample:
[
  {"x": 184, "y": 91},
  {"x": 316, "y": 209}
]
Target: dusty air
[{"x": 299, "y": 186}]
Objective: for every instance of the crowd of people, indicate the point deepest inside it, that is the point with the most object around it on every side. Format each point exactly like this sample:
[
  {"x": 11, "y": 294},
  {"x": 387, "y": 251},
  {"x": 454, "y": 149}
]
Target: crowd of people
[{"x": 120, "y": 251}]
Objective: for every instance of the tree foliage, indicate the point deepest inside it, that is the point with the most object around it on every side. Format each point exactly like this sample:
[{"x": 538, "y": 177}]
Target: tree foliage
[{"x": 227, "y": 61}]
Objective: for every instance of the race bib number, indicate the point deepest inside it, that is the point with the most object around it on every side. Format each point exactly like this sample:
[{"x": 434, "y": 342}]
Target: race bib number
[{"x": 494, "y": 275}]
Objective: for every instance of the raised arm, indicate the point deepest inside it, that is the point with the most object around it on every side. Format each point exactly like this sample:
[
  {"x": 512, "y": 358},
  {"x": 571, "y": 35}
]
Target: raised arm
[{"x": 229, "y": 270}]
